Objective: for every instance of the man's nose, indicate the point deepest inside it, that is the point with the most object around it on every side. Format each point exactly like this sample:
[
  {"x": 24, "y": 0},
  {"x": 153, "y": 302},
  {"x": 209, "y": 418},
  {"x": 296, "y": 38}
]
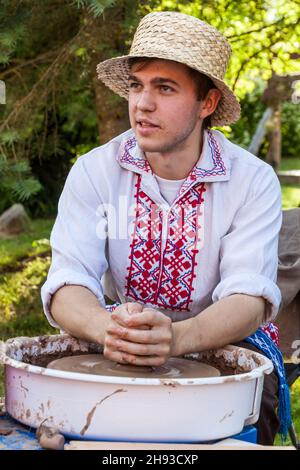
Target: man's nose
[{"x": 146, "y": 101}]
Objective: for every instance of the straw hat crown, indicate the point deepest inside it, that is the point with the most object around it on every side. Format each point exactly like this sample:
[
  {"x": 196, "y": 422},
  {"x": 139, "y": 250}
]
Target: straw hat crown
[{"x": 181, "y": 38}]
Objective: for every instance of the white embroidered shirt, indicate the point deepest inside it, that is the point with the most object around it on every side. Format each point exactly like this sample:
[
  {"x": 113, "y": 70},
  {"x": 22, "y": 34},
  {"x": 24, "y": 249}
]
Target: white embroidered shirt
[{"x": 116, "y": 235}]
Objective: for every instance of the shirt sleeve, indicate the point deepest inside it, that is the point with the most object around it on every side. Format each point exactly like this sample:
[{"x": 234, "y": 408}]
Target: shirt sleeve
[
  {"x": 249, "y": 250},
  {"x": 78, "y": 239}
]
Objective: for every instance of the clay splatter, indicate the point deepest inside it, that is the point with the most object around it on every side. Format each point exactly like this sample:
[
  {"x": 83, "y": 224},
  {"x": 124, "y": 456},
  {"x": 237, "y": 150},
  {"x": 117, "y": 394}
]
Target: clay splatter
[{"x": 92, "y": 412}]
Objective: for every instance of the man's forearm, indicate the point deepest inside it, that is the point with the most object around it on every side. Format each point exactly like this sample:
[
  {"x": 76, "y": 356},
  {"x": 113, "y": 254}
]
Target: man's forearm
[
  {"x": 77, "y": 311},
  {"x": 225, "y": 322}
]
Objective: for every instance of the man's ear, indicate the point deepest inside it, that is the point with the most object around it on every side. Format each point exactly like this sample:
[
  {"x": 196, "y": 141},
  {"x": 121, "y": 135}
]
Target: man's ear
[{"x": 210, "y": 103}]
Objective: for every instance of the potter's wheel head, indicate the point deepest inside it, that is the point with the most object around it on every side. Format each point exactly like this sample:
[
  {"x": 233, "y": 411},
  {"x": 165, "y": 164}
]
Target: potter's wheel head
[{"x": 97, "y": 364}]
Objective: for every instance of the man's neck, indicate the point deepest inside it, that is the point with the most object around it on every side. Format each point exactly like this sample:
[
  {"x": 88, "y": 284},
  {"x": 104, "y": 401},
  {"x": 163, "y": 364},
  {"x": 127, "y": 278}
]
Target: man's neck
[{"x": 175, "y": 165}]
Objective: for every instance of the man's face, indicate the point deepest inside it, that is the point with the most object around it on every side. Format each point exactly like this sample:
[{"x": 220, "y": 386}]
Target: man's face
[{"x": 163, "y": 107}]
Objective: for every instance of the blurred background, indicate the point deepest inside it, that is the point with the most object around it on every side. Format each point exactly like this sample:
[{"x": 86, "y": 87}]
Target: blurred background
[{"x": 53, "y": 109}]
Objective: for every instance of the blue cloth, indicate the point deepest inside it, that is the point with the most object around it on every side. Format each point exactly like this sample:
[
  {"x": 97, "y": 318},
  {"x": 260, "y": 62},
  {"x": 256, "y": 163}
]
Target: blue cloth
[
  {"x": 18, "y": 437},
  {"x": 262, "y": 341}
]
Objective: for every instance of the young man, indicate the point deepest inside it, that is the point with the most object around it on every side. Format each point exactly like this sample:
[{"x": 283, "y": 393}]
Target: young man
[{"x": 170, "y": 220}]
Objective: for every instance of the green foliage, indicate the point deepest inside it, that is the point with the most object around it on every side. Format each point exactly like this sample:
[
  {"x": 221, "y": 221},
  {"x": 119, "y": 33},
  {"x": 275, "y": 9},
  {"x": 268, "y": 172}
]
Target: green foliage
[
  {"x": 9, "y": 137},
  {"x": 12, "y": 28},
  {"x": 252, "y": 107},
  {"x": 23, "y": 190},
  {"x": 50, "y": 115},
  {"x": 18, "y": 290},
  {"x": 252, "y": 110},
  {"x": 96, "y": 7},
  {"x": 295, "y": 399},
  {"x": 290, "y": 196},
  {"x": 16, "y": 183},
  {"x": 295, "y": 402},
  {"x": 290, "y": 129}
]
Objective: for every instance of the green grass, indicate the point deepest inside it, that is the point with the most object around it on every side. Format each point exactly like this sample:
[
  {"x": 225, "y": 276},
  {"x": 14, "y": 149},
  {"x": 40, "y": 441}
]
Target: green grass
[
  {"x": 24, "y": 263},
  {"x": 290, "y": 196},
  {"x": 289, "y": 164},
  {"x": 295, "y": 401},
  {"x": 295, "y": 397},
  {"x": 33, "y": 242},
  {"x": 290, "y": 192},
  {"x": 20, "y": 303}
]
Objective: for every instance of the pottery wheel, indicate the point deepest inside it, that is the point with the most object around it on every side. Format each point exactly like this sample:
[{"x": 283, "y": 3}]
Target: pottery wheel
[{"x": 97, "y": 364}]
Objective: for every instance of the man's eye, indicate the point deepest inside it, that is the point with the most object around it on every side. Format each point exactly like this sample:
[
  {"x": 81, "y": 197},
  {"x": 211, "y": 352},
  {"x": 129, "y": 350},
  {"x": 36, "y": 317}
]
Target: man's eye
[
  {"x": 166, "y": 88},
  {"x": 134, "y": 85}
]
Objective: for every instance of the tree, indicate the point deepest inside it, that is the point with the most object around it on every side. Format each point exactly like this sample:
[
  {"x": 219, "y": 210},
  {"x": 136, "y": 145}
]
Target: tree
[{"x": 55, "y": 98}]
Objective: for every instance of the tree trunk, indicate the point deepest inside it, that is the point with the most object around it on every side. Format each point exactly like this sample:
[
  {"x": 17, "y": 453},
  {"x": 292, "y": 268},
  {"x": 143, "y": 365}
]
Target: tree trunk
[
  {"x": 106, "y": 39},
  {"x": 274, "y": 137},
  {"x": 111, "y": 111}
]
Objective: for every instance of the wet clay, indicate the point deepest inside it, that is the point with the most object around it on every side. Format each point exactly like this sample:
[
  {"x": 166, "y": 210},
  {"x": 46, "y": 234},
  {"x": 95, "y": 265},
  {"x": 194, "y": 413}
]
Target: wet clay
[{"x": 97, "y": 364}]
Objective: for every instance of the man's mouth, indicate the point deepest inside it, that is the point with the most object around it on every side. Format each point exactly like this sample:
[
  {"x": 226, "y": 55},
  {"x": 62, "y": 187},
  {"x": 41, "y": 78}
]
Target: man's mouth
[
  {"x": 146, "y": 128},
  {"x": 146, "y": 124}
]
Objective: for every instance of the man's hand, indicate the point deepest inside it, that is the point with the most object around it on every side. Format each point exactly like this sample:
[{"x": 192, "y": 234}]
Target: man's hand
[
  {"x": 118, "y": 318},
  {"x": 138, "y": 336}
]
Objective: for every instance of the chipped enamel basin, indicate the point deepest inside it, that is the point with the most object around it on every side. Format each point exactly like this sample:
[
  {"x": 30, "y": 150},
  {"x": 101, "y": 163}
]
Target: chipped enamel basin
[{"x": 85, "y": 406}]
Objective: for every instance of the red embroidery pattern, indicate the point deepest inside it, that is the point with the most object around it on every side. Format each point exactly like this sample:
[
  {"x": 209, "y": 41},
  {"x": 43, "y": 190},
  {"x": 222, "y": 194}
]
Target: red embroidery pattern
[
  {"x": 197, "y": 172},
  {"x": 163, "y": 250},
  {"x": 272, "y": 331}
]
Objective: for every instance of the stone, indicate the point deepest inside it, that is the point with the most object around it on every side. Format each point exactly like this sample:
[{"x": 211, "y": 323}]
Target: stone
[{"x": 14, "y": 220}]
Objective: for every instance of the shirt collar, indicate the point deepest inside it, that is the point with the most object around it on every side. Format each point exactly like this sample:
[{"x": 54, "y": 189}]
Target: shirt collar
[{"x": 213, "y": 164}]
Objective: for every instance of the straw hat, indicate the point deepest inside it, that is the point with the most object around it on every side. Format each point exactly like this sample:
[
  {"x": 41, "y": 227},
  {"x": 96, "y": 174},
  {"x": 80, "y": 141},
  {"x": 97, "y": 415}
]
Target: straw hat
[{"x": 185, "y": 39}]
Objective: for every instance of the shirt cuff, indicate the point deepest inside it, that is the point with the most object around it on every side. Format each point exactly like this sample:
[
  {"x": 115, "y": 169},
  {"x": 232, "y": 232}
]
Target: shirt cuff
[
  {"x": 65, "y": 277},
  {"x": 251, "y": 284}
]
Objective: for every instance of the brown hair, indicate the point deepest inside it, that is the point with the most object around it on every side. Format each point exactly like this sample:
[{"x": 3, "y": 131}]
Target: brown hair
[{"x": 202, "y": 82}]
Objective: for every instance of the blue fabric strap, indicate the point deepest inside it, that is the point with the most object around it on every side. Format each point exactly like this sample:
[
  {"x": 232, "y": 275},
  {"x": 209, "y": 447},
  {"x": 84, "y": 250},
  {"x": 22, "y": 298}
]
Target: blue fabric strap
[{"x": 262, "y": 341}]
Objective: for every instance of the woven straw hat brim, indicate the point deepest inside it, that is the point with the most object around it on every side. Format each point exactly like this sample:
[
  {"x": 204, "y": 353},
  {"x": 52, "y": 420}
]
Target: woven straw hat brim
[{"x": 115, "y": 74}]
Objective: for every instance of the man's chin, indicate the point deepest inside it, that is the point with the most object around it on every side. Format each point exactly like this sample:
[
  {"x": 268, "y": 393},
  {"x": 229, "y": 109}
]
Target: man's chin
[{"x": 146, "y": 144}]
